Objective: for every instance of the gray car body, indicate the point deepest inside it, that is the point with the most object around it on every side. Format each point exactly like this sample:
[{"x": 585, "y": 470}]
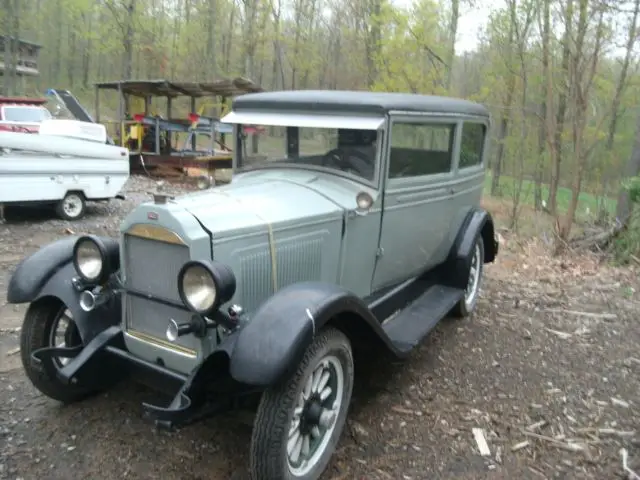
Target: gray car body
[{"x": 305, "y": 219}]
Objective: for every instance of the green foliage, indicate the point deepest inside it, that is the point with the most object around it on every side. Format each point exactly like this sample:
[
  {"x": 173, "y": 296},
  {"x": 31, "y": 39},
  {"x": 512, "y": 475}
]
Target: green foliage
[
  {"x": 632, "y": 186},
  {"x": 627, "y": 243}
]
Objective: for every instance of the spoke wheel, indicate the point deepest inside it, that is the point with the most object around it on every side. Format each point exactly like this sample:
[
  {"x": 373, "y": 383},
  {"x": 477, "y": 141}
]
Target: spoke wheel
[
  {"x": 471, "y": 291},
  {"x": 300, "y": 420},
  {"x": 63, "y": 333},
  {"x": 48, "y": 323},
  {"x": 314, "y": 415},
  {"x": 467, "y": 304}
]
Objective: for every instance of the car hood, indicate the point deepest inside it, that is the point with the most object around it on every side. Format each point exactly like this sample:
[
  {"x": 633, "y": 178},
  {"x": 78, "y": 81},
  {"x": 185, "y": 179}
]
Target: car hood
[{"x": 256, "y": 203}]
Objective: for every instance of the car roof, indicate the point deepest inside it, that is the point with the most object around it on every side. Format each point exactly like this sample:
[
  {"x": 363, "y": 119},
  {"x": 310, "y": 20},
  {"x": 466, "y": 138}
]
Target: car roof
[{"x": 355, "y": 102}]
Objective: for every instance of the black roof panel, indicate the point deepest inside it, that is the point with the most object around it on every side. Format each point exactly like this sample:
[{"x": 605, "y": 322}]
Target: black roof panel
[{"x": 355, "y": 102}]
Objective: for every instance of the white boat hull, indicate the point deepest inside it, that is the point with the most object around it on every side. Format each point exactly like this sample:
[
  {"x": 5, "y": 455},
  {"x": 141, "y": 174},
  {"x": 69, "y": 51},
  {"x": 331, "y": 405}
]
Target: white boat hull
[{"x": 44, "y": 168}]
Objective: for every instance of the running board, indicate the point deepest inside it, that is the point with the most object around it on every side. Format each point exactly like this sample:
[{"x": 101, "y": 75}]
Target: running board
[{"x": 412, "y": 324}]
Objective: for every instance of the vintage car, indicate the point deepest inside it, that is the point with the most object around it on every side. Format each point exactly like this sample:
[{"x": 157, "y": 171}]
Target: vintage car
[{"x": 352, "y": 225}]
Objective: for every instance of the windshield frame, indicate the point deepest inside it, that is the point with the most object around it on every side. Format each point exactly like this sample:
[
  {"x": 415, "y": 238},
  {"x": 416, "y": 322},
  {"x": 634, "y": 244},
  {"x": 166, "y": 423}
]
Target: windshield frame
[{"x": 294, "y": 120}]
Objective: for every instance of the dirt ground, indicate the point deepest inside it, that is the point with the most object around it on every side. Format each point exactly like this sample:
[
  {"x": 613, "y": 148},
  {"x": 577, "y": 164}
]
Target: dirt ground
[{"x": 548, "y": 368}]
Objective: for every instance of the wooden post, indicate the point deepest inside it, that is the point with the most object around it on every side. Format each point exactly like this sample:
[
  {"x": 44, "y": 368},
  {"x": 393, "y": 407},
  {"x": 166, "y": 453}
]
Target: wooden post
[
  {"x": 169, "y": 133},
  {"x": 121, "y": 114},
  {"x": 97, "y": 105},
  {"x": 193, "y": 110}
]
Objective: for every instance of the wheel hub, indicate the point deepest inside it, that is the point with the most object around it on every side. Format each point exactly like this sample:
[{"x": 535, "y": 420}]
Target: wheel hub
[
  {"x": 314, "y": 416},
  {"x": 311, "y": 415}
]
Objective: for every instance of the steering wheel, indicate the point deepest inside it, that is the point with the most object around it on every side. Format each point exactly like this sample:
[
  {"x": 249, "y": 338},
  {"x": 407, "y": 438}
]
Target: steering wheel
[{"x": 339, "y": 158}]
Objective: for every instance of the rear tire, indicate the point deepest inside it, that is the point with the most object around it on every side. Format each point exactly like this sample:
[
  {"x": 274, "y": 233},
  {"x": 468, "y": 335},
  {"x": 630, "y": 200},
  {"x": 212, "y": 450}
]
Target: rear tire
[
  {"x": 72, "y": 206},
  {"x": 39, "y": 330},
  {"x": 467, "y": 304}
]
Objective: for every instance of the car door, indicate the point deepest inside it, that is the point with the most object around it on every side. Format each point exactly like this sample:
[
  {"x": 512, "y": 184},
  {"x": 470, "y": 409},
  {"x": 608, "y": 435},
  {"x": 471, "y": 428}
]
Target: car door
[{"x": 417, "y": 213}]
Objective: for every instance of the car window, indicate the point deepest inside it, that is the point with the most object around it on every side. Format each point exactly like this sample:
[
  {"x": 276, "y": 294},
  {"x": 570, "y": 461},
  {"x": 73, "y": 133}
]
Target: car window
[
  {"x": 346, "y": 150},
  {"x": 25, "y": 114},
  {"x": 472, "y": 143},
  {"x": 420, "y": 149}
]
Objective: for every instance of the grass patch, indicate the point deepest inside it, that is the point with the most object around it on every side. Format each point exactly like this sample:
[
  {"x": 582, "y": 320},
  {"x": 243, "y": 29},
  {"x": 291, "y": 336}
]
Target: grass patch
[{"x": 587, "y": 202}]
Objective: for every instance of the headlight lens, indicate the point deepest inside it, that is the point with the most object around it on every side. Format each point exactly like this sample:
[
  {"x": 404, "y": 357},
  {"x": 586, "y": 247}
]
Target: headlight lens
[
  {"x": 89, "y": 260},
  {"x": 199, "y": 288}
]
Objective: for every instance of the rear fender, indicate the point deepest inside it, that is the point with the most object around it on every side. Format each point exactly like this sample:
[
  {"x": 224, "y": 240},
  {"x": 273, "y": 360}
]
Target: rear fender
[
  {"x": 278, "y": 334},
  {"x": 478, "y": 222},
  {"x": 48, "y": 273}
]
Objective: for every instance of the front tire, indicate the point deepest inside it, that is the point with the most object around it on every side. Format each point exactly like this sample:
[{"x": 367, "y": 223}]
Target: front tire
[
  {"x": 48, "y": 323},
  {"x": 300, "y": 420},
  {"x": 467, "y": 304}
]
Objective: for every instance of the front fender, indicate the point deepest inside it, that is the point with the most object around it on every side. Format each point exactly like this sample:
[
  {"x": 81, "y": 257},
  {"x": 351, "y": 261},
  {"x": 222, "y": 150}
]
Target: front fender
[
  {"x": 276, "y": 337},
  {"x": 90, "y": 323},
  {"x": 48, "y": 273},
  {"x": 34, "y": 271}
]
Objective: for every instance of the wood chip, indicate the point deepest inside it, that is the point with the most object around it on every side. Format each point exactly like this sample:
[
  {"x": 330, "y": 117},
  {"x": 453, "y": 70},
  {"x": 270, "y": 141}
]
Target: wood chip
[
  {"x": 616, "y": 402},
  {"x": 404, "y": 411},
  {"x": 537, "y": 425},
  {"x": 562, "y": 335},
  {"x": 604, "y": 315},
  {"x": 520, "y": 446},
  {"x": 571, "y": 447},
  {"x": 481, "y": 442},
  {"x": 631, "y": 475}
]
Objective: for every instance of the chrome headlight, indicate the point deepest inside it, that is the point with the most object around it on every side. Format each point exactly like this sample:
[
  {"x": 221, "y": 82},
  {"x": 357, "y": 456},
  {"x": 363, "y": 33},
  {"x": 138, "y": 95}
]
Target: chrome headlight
[
  {"x": 89, "y": 257},
  {"x": 203, "y": 286},
  {"x": 199, "y": 289}
]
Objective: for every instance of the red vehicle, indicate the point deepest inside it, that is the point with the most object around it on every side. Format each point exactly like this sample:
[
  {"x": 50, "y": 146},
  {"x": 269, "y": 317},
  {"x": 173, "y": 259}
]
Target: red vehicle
[{"x": 19, "y": 114}]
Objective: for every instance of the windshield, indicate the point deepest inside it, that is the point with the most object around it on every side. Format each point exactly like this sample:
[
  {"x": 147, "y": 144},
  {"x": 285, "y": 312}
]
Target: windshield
[
  {"x": 58, "y": 109},
  {"x": 19, "y": 113},
  {"x": 348, "y": 151}
]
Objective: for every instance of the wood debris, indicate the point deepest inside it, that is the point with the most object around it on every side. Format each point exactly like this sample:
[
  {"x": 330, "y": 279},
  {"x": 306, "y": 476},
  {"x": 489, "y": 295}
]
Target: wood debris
[
  {"x": 631, "y": 475},
  {"x": 595, "y": 315},
  {"x": 404, "y": 411},
  {"x": 616, "y": 402},
  {"x": 562, "y": 335},
  {"x": 537, "y": 425},
  {"x": 556, "y": 442},
  {"x": 520, "y": 446},
  {"x": 481, "y": 442},
  {"x": 607, "y": 432}
]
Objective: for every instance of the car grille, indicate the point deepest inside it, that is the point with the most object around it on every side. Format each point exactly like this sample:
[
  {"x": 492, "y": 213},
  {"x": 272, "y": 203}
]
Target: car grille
[{"x": 151, "y": 267}]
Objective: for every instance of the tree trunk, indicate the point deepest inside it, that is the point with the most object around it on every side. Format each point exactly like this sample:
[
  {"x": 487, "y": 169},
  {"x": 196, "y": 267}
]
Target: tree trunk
[
  {"x": 128, "y": 41},
  {"x": 583, "y": 69},
  {"x": 623, "y": 209},
  {"x": 543, "y": 132},
  {"x": 453, "y": 33},
  {"x": 504, "y": 123},
  {"x": 562, "y": 111}
]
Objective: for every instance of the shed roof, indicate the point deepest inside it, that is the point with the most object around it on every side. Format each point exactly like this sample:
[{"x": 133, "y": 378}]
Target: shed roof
[
  {"x": 167, "y": 88},
  {"x": 22, "y": 41},
  {"x": 356, "y": 102}
]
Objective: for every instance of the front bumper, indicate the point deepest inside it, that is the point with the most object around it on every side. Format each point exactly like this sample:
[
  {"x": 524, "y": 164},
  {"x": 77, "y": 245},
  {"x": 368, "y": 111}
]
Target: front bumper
[{"x": 105, "y": 360}]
